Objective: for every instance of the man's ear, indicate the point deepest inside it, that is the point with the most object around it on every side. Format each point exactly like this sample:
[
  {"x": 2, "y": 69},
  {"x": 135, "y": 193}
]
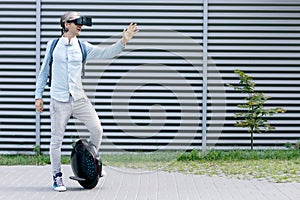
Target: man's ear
[
  {"x": 66, "y": 27},
  {"x": 67, "y": 24}
]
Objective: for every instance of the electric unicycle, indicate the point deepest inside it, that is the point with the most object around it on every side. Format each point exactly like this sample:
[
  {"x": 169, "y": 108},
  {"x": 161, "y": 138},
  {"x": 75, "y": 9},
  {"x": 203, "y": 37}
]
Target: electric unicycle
[{"x": 85, "y": 163}]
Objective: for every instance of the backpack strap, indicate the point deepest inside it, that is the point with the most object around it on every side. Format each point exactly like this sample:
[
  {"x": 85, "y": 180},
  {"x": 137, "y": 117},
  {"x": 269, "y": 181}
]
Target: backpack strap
[
  {"x": 53, "y": 44},
  {"x": 84, "y": 55}
]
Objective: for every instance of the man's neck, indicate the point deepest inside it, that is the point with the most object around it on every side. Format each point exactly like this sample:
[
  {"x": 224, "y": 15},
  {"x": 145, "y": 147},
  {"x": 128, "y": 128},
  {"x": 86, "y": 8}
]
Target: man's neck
[{"x": 69, "y": 36}]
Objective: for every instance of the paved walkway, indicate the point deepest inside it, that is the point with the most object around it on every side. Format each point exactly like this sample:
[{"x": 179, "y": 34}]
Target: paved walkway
[{"x": 33, "y": 182}]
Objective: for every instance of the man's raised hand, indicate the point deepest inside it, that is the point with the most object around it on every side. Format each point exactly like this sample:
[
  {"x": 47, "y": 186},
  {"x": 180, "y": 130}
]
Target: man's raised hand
[{"x": 129, "y": 33}]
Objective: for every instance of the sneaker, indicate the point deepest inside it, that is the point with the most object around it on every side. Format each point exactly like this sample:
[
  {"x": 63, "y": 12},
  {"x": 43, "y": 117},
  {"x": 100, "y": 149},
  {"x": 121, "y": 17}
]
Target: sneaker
[
  {"x": 103, "y": 173},
  {"x": 58, "y": 184}
]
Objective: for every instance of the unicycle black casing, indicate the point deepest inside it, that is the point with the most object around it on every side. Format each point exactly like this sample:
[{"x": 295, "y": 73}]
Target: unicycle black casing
[{"x": 86, "y": 164}]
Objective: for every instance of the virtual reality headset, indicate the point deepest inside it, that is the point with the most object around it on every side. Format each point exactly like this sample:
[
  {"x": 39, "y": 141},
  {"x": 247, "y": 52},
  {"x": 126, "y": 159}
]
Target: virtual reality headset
[{"x": 83, "y": 20}]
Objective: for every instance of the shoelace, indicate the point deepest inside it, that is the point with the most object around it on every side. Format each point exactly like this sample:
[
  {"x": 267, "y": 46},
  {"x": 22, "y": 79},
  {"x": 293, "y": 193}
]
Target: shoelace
[{"x": 59, "y": 181}]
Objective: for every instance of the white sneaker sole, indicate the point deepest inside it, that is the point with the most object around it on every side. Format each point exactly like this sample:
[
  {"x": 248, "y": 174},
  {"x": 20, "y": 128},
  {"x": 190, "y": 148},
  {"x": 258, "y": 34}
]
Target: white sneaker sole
[
  {"x": 103, "y": 173},
  {"x": 60, "y": 189}
]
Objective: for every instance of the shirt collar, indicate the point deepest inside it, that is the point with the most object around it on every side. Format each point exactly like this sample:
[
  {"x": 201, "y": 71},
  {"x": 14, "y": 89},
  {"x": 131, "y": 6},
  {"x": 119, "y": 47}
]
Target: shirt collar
[{"x": 66, "y": 41}]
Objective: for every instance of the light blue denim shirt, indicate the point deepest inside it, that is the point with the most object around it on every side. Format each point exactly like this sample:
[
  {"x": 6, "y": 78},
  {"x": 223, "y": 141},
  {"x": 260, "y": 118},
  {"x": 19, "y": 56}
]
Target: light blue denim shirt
[{"x": 67, "y": 68}]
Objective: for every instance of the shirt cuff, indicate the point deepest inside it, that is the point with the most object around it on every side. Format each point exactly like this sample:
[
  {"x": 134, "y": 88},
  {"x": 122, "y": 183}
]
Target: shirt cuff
[
  {"x": 120, "y": 43},
  {"x": 38, "y": 96}
]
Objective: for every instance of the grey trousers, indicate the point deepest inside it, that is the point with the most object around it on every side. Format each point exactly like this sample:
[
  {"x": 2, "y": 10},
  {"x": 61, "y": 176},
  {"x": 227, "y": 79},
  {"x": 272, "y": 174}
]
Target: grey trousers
[{"x": 60, "y": 113}]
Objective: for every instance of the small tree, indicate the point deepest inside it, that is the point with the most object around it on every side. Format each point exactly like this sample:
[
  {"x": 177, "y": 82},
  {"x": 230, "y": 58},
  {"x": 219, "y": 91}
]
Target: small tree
[{"x": 254, "y": 117}]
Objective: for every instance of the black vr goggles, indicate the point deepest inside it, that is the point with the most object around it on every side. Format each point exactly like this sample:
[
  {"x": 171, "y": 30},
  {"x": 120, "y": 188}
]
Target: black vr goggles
[{"x": 83, "y": 20}]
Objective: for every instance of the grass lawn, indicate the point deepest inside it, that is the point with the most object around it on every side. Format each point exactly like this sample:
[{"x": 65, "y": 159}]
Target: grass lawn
[{"x": 267, "y": 165}]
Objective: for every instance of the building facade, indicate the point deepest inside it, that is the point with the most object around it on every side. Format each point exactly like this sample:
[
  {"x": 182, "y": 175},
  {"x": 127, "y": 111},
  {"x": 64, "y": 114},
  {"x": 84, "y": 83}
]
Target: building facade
[{"x": 167, "y": 90}]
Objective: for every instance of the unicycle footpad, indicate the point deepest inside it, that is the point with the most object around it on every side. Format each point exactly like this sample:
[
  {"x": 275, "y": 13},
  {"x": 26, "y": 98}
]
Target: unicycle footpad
[
  {"x": 75, "y": 178},
  {"x": 86, "y": 164}
]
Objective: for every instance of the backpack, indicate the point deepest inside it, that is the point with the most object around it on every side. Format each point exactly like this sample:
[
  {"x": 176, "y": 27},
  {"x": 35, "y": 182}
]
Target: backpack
[
  {"x": 85, "y": 163},
  {"x": 84, "y": 55}
]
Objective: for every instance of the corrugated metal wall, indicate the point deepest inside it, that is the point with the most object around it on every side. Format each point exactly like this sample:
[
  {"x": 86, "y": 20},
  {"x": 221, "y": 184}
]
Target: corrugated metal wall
[
  {"x": 17, "y": 75},
  {"x": 150, "y": 96},
  {"x": 261, "y": 38}
]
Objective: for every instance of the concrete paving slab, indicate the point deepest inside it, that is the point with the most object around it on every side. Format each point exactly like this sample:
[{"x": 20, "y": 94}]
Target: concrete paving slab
[{"x": 34, "y": 183}]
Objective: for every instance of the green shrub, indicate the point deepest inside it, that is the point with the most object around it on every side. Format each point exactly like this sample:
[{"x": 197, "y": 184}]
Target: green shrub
[
  {"x": 297, "y": 145},
  {"x": 214, "y": 155},
  {"x": 288, "y": 145}
]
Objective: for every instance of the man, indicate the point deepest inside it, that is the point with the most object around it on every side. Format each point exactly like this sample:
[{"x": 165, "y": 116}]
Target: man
[{"x": 67, "y": 95}]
